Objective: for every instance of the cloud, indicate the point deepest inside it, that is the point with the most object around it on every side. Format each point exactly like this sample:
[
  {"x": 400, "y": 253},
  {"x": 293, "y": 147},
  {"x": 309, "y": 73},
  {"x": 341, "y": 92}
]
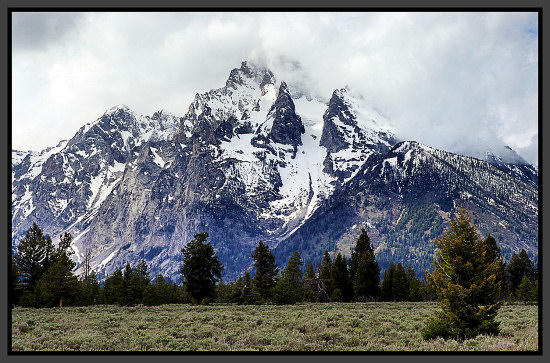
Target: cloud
[{"x": 440, "y": 77}]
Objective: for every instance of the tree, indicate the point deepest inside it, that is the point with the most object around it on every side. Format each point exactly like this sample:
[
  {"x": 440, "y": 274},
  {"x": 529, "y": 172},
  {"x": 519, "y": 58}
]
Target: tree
[
  {"x": 266, "y": 271},
  {"x": 386, "y": 286},
  {"x": 201, "y": 268},
  {"x": 415, "y": 285},
  {"x": 32, "y": 259},
  {"x": 465, "y": 284},
  {"x": 112, "y": 292},
  {"x": 492, "y": 253},
  {"x": 59, "y": 282},
  {"x": 293, "y": 274},
  {"x": 519, "y": 266},
  {"x": 325, "y": 273},
  {"x": 400, "y": 285},
  {"x": 310, "y": 272},
  {"x": 340, "y": 277},
  {"x": 365, "y": 272},
  {"x": 524, "y": 290}
]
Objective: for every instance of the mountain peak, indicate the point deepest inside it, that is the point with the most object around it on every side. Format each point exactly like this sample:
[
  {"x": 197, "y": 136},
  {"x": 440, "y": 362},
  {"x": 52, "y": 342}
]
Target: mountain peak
[
  {"x": 248, "y": 73},
  {"x": 117, "y": 108}
]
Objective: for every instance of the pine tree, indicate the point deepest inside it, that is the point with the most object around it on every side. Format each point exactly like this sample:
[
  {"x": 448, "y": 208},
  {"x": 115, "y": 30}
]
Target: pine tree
[
  {"x": 366, "y": 272},
  {"x": 310, "y": 272},
  {"x": 293, "y": 274},
  {"x": 127, "y": 289},
  {"x": 32, "y": 259},
  {"x": 519, "y": 266},
  {"x": 201, "y": 268},
  {"x": 266, "y": 271},
  {"x": 465, "y": 284},
  {"x": 400, "y": 285},
  {"x": 340, "y": 277},
  {"x": 492, "y": 253},
  {"x": 415, "y": 285},
  {"x": 59, "y": 283},
  {"x": 112, "y": 292},
  {"x": 325, "y": 273},
  {"x": 386, "y": 286},
  {"x": 524, "y": 290},
  {"x": 362, "y": 245}
]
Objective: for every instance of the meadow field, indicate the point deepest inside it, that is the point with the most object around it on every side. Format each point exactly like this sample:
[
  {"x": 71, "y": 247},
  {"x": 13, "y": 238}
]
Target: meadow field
[{"x": 302, "y": 327}]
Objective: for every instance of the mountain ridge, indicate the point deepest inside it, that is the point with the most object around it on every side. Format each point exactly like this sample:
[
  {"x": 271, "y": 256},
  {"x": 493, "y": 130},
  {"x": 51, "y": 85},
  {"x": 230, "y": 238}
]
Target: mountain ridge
[{"x": 249, "y": 162}]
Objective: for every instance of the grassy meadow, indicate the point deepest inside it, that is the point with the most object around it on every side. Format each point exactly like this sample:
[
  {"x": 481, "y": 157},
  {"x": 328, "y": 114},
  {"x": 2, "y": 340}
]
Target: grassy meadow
[{"x": 302, "y": 327}]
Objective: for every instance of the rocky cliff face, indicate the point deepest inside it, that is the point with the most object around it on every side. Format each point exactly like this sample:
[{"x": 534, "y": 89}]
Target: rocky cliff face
[{"x": 249, "y": 161}]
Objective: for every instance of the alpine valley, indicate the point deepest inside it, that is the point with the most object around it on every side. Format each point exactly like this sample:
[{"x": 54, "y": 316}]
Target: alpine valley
[{"x": 262, "y": 160}]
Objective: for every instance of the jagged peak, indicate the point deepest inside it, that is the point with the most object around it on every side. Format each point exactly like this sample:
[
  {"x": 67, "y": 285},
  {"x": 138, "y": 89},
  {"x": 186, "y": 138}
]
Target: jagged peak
[
  {"x": 250, "y": 72},
  {"x": 118, "y": 108}
]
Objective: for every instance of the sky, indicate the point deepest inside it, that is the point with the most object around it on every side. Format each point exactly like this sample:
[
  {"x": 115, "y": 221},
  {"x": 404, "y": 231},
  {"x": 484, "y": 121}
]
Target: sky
[{"x": 450, "y": 80}]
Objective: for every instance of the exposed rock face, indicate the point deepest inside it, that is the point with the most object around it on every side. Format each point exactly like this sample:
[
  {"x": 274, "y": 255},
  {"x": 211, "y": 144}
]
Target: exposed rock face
[
  {"x": 248, "y": 162},
  {"x": 287, "y": 125}
]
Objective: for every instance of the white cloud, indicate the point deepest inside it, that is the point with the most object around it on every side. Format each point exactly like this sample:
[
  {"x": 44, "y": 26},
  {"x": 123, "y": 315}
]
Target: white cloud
[{"x": 440, "y": 77}]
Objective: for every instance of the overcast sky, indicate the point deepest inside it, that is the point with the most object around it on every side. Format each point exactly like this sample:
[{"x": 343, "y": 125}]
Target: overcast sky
[{"x": 441, "y": 78}]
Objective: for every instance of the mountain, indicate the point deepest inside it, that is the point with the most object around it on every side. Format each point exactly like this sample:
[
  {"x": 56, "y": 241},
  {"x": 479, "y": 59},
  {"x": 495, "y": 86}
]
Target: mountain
[{"x": 260, "y": 159}]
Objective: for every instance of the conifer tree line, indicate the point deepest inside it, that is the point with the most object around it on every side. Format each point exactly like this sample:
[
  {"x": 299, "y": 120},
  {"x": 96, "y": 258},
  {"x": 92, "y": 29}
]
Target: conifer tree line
[{"x": 42, "y": 275}]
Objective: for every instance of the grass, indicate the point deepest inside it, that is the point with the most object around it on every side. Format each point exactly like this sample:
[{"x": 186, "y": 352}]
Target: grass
[{"x": 301, "y": 327}]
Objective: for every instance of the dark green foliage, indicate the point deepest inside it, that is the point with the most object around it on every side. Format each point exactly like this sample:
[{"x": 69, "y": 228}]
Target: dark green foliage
[
  {"x": 289, "y": 288},
  {"x": 138, "y": 283},
  {"x": 336, "y": 296},
  {"x": 266, "y": 271},
  {"x": 90, "y": 290},
  {"x": 310, "y": 272},
  {"x": 59, "y": 283},
  {"x": 386, "y": 286},
  {"x": 400, "y": 285},
  {"x": 364, "y": 270},
  {"x": 524, "y": 290},
  {"x": 112, "y": 292},
  {"x": 465, "y": 284},
  {"x": 32, "y": 259},
  {"x": 325, "y": 273},
  {"x": 201, "y": 268},
  {"x": 415, "y": 286},
  {"x": 492, "y": 253},
  {"x": 340, "y": 277},
  {"x": 519, "y": 266},
  {"x": 282, "y": 293}
]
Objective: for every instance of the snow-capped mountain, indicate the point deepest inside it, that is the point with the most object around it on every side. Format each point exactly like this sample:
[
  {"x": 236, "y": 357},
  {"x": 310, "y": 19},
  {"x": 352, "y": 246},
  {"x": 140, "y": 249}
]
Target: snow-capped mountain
[{"x": 257, "y": 160}]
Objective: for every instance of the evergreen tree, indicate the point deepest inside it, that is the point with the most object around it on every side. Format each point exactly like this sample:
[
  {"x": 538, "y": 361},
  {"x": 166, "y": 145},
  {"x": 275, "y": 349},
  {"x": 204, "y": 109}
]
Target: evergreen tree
[
  {"x": 492, "y": 253},
  {"x": 326, "y": 266},
  {"x": 127, "y": 294},
  {"x": 519, "y": 266},
  {"x": 282, "y": 293},
  {"x": 524, "y": 290},
  {"x": 310, "y": 272},
  {"x": 112, "y": 292},
  {"x": 139, "y": 282},
  {"x": 400, "y": 285},
  {"x": 266, "y": 271},
  {"x": 465, "y": 284},
  {"x": 32, "y": 259},
  {"x": 201, "y": 268},
  {"x": 325, "y": 274},
  {"x": 366, "y": 272},
  {"x": 59, "y": 283},
  {"x": 293, "y": 274},
  {"x": 415, "y": 285},
  {"x": 337, "y": 296},
  {"x": 362, "y": 245},
  {"x": 386, "y": 286},
  {"x": 340, "y": 277}
]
